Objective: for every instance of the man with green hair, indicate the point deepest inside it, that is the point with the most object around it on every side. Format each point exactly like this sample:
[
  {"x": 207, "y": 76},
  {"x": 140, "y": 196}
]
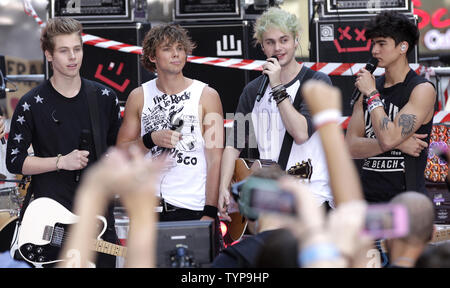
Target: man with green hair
[{"x": 280, "y": 121}]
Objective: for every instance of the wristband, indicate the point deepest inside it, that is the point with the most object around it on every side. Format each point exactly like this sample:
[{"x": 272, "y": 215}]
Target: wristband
[
  {"x": 326, "y": 116},
  {"x": 148, "y": 141},
  {"x": 373, "y": 93},
  {"x": 57, "y": 160},
  {"x": 375, "y": 104},
  {"x": 318, "y": 252},
  {"x": 369, "y": 101},
  {"x": 210, "y": 211}
]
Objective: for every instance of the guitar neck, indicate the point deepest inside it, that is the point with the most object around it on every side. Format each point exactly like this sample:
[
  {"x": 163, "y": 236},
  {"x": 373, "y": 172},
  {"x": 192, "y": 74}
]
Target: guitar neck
[{"x": 110, "y": 249}]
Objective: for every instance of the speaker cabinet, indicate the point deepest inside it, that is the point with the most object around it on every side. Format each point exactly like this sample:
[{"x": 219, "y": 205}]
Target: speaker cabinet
[
  {"x": 343, "y": 41},
  {"x": 225, "y": 40},
  {"x": 121, "y": 71}
]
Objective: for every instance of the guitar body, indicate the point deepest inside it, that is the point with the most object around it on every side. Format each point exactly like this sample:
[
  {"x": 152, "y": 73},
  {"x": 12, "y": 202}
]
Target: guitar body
[
  {"x": 243, "y": 169},
  {"x": 246, "y": 167},
  {"x": 43, "y": 231}
]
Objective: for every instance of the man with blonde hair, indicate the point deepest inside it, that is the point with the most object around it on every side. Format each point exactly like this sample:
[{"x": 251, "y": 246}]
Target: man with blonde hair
[
  {"x": 53, "y": 117},
  {"x": 279, "y": 118}
]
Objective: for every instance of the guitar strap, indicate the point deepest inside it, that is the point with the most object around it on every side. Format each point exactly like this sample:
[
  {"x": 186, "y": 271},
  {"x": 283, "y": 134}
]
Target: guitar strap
[
  {"x": 90, "y": 90},
  {"x": 288, "y": 140},
  {"x": 93, "y": 112}
]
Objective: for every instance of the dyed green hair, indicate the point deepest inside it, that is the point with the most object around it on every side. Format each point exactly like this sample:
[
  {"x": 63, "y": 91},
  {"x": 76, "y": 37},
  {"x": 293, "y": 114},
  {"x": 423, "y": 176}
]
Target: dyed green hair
[{"x": 276, "y": 18}]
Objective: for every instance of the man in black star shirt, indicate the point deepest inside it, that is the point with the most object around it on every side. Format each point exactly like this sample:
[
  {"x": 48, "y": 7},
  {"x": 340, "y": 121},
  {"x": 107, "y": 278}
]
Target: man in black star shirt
[
  {"x": 51, "y": 118},
  {"x": 391, "y": 124}
]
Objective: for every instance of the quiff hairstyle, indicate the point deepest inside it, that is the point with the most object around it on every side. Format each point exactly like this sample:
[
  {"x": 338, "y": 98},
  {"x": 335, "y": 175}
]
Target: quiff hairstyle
[
  {"x": 58, "y": 26},
  {"x": 159, "y": 35},
  {"x": 276, "y": 18}
]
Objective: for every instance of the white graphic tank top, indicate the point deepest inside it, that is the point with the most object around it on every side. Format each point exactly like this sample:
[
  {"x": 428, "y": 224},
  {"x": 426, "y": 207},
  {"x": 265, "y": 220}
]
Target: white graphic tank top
[{"x": 182, "y": 184}]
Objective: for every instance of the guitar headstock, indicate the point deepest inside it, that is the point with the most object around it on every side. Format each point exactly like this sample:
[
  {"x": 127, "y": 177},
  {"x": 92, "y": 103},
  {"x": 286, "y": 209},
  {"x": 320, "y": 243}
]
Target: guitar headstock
[{"x": 302, "y": 170}]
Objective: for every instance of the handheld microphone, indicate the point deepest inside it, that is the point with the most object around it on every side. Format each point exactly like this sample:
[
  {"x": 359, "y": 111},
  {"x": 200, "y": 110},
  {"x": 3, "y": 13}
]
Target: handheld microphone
[
  {"x": 370, "y": 66},
  {"x": 262, "y": 88},
  {"x": 85, "y": 144}
]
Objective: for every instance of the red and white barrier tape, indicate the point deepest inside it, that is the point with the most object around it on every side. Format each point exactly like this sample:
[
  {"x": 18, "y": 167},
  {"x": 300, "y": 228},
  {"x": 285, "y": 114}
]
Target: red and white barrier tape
[
  {"x": 29, "y": 10},
  {"x": 338, "y": 69}
]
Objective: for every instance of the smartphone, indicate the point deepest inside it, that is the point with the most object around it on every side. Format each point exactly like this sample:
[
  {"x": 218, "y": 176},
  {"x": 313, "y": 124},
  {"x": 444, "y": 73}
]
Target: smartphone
[
  {"x": 266, "y": 196},
  {"x": 386, "y": 221}
]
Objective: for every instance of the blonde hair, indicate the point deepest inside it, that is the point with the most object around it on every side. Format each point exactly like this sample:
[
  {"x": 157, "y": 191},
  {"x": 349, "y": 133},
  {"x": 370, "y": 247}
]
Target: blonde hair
[
  {"x": 276, "y": 18},
  {"x": 58, "y": 26}
]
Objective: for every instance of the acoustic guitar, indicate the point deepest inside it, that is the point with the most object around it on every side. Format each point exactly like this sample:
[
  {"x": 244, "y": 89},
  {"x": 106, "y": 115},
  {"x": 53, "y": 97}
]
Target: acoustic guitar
[{"x": 244, "y": 167}]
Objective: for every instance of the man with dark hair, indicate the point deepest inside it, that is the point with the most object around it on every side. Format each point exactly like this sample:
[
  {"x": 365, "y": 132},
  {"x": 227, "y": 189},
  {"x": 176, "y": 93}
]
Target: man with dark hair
[
  {"x": 391, "y": 123},
  {"x": 52, "y": 116}
]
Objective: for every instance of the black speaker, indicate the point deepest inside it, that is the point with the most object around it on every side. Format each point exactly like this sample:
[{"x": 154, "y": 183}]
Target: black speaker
[
  {"x": 225, "y": 40},
  {"x": 121, "y": 71},
  {"x": 343, "y": 41}
]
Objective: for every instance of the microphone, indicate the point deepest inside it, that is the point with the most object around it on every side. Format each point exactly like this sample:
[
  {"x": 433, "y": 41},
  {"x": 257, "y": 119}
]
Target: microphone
[
  {"x": 85, "y": 144},
  {"x": 262, "y": 88},
  {"x": 370, "y": 66}
]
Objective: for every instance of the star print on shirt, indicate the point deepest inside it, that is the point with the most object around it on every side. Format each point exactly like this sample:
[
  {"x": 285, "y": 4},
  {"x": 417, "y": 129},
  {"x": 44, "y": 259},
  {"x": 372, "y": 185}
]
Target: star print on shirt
[
  {"x": 18, "y": 138},
  {"x": 26, "y": 107},
  {"x": 21, "y": 119},
  {"x": 15, "y": 151},
  {"x": 105, "y": 92},
  {"x": 117, "y": 101},
  {"x": 38, "y": 99}
]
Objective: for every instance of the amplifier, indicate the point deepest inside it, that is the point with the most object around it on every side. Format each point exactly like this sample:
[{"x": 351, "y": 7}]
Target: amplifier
[
  {"x": 343, "y": 41},
  {"x": 352, "y": 8},
  {"x": 198, "y": 10},
  {"x": 228, "y": 40},
  {"x": 121, "y": 71},
  {"x": 100, "y": 11}
]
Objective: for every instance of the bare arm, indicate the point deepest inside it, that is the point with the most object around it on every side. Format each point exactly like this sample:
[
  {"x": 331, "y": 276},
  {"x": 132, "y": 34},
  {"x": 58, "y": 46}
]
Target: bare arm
[
  {"x": 230, "y": 154},
  {"x": 360, "y": 147},
  {"x": 417, "y": 111},
  {"x": 213, "y": 134},
  {"x": 130, "y": 130},
  {"x": 294, "y": 122},
  {"x": 2, "y": 127}
]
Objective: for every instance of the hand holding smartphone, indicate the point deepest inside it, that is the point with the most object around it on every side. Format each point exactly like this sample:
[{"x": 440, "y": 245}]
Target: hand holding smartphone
[{"x": 386, "y": 221}]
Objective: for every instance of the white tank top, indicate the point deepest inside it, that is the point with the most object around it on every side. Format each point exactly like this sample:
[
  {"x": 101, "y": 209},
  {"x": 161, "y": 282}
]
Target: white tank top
[{"x": 183, "y": 183}]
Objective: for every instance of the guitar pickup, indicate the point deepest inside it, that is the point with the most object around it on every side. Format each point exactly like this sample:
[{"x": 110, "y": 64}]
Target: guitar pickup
[{"x": 48, "y": 231}]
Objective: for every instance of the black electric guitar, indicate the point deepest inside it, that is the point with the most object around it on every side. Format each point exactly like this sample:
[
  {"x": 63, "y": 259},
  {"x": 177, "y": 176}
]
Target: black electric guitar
[
  {"x": 44, "y": 229},
  {"x": 243, "y": 169}
]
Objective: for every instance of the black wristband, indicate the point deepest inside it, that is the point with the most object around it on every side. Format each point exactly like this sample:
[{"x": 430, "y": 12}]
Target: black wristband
[
  {"x": 210, "y": 211},
  {"x": 147, "y": 139}
]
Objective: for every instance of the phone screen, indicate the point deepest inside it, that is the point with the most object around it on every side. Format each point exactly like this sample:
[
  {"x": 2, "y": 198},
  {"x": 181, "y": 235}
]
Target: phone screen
[
  {"x": 386, "y": 221},
  {"x": 273, "y": 201}
]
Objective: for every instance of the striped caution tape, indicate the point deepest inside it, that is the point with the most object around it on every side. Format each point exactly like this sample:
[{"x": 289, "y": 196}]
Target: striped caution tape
[
  {"x": 29, "y": 10},
  {"x": 338, "y": 69}
]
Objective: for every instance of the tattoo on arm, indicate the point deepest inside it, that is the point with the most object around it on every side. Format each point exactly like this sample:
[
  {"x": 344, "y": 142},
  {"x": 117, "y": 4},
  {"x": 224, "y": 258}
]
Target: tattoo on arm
[
  {"x": 384, "y": 123},
  {"x": 407, "y": 122}
]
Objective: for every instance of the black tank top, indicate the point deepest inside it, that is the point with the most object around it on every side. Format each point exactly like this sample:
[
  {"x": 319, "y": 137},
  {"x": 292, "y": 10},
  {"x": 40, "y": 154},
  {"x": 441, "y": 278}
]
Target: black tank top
[{"x": 383, "y": 176}]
